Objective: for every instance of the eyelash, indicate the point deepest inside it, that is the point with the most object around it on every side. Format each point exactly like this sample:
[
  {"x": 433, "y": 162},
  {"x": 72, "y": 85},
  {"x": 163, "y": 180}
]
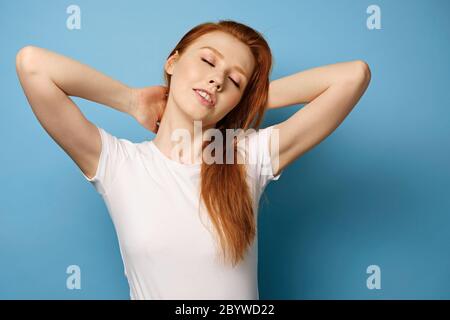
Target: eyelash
[{"x": 235, "y": 83}]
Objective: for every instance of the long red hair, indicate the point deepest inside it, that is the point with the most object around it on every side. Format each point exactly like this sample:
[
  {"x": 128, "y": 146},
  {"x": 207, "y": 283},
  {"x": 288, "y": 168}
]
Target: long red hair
[{"x": 223, "y": 186}]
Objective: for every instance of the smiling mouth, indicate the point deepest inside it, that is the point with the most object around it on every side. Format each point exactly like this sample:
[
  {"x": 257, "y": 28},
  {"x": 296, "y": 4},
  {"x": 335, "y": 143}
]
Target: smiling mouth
[{"x": 203, "y": 101}]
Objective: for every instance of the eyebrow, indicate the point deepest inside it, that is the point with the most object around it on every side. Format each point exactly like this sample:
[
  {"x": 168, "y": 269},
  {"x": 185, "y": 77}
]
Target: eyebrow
[{"x": 238, "y": 68}]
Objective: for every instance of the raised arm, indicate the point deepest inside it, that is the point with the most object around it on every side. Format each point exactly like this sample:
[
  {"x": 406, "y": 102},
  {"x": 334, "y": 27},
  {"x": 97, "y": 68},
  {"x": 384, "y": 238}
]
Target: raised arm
[
  {"x": 48, "y": 79},
  {"x": 330, "y": 91}
]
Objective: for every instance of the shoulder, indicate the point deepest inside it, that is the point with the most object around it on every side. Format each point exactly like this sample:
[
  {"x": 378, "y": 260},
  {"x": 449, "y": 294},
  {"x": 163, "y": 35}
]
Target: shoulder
[
  {"x": 116, "y": 146},
  {"x": 253, "y": 146}
]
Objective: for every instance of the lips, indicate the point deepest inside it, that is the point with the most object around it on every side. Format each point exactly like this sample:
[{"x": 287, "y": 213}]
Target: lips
[{"x": 205, "y": 101}]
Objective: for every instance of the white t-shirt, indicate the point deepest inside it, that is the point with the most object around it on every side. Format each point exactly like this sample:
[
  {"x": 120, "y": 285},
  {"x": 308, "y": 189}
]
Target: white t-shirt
[{"x": 166, "y": 244}]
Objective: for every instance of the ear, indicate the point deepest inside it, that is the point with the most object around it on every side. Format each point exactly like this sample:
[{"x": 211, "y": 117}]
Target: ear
[{"x": 170, "y": 63}]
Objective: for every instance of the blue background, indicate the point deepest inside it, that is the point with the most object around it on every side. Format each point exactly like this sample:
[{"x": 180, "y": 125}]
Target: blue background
[{"x": 375, "y": 192}]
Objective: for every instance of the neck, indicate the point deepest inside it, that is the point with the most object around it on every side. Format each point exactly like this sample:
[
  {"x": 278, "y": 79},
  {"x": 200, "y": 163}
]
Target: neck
[{"x": 179, "y": 137}]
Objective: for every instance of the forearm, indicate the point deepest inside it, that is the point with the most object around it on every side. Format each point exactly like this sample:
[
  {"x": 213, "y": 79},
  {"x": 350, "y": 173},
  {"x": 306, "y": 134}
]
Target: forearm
[
  {"x": 77, "y": 79},
  {"x": 305, "y": 86}
]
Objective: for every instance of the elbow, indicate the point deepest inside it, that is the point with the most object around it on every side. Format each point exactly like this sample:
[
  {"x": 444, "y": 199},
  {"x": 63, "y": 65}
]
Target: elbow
[
  {"x": 362, "y": 71},
  {"x": 357, "y": 72},
  {"x": 25, "y": 60}
]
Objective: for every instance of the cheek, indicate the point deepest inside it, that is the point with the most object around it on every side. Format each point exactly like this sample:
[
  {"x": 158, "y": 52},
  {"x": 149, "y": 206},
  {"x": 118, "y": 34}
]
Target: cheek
[
  {"x": 186, "y": 74},
  {"x": 229, "y": 105},
  {"x": 183, "y": 81},
  {"x": 234, "y": 100}
]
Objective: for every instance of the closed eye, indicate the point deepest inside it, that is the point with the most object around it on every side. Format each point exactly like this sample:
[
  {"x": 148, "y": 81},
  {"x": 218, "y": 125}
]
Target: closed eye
[{"x": 235, "y": 83}]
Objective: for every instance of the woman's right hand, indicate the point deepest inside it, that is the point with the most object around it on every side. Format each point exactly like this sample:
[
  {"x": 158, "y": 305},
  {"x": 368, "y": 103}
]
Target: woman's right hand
[{"x": 148, "y": 105}]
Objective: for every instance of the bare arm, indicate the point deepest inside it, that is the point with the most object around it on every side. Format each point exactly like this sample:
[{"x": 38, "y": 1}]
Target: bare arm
[
  {"x": 303, "y": 87},
  {"x": 48, "y": 79},
  {"x": 331, "y": 92}
]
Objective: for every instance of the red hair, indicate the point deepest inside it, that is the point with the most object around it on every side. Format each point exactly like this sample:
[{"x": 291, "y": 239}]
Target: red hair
[{"x": 223, "y": 186}]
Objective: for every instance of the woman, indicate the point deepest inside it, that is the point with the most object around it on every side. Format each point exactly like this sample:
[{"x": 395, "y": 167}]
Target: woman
[{"x": 173, "y": 211}]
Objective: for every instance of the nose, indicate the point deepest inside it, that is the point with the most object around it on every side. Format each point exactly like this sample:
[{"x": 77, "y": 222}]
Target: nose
[{"x": 216, "y": 84}]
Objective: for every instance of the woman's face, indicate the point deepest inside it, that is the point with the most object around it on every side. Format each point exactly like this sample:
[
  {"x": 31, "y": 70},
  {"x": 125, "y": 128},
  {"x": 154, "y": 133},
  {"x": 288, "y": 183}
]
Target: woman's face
[{"x": 223, "y": 69}]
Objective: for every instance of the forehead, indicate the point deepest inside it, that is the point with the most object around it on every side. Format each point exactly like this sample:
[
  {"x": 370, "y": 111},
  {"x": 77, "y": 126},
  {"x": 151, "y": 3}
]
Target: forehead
[{"x": 235, "y": 53}]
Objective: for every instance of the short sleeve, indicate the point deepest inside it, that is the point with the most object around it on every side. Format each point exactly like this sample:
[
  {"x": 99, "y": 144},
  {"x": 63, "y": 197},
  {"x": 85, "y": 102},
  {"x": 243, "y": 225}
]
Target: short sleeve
[
  {"x": 114, "y": 152},
  {"x": 260, "y": 160}
]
